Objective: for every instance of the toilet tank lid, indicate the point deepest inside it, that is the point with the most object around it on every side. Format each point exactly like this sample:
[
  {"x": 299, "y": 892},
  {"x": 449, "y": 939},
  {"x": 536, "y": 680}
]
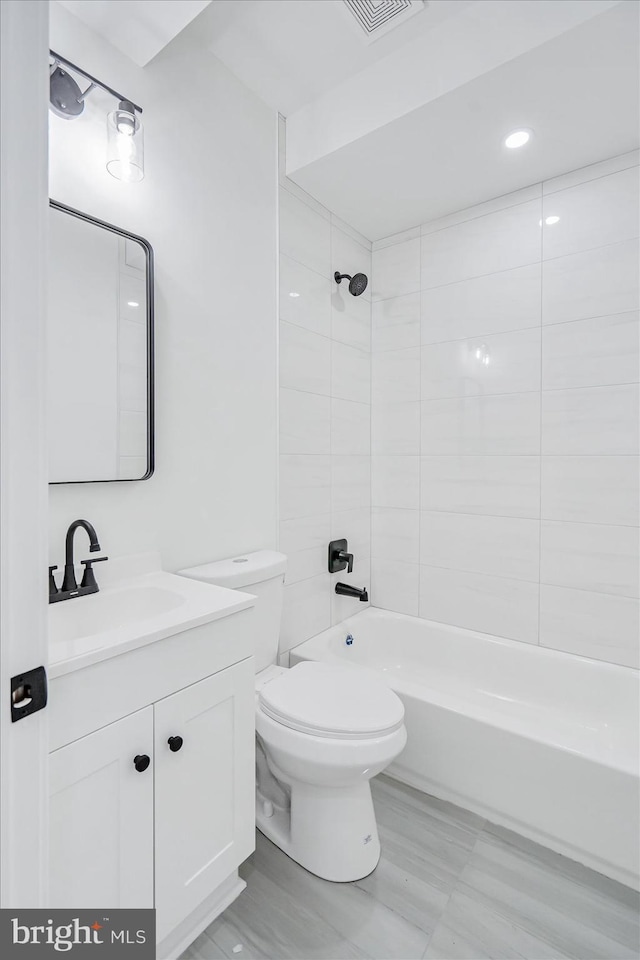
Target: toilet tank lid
[{"x": 240, "y": 571}]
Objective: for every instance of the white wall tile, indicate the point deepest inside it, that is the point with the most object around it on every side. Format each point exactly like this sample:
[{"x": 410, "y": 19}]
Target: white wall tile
[
  {"x": 351, "y": 232},
  {"x": 593, "y": 283},
  {"x": 395, "y": 482},
  {"x": 395, "y": 534},
  {"x": 588, "y": 353},
  {"x": 396, "y": 270},
  {"x": 395, "y": 323},
  {"x": 306, "y": 564},
  {"x": 500, "y": 546},
  {"x": 395, "y": 428},
  {"x": 500, "y": 363},
  {"x": 305, "y": 533},
  {"x": 305, "y": 486},
  {"x": 305, "y": 360},
  {"x": 495, "y": 605},
  {"x": 305, "y": 422},
  {"x": 591, "y": 172},
  {"x": 395, "y": 586},
  {"x": 506, "y": 425},
  {"x": 395, "y": 375},
  {"x": 350, "y": 427},
  {"x": 343, "y": 607},
  {"x": 350, "y": 482},
  {"x": 591, "y": 489},
  {"x": 355, "y": 525},
  {"x": 394, "y": 238},
  {"x": 591, "y": 214},
  {"x": 590, "y": 556},
  {"x": 292, "y": 188},
  {"x": 350, "y": 373},
  {"x": 350, "y": 318},
  {"x": 498, "y": 241},
  {"x": 494, "y": 303},
  {"x": 304, "y": 297},
  {"x": 479, "y": 210},
  {"x": 500, "y": 486},
  {"x": 588, "y": 624},
  {"x": 305, "y": 235},
  {"x": 593, "y": 420},
  {"x": 306, "y": 611}
]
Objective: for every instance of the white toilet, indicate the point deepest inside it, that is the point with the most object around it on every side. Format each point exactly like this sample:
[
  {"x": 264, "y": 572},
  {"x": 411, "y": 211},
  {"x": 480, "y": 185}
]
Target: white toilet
[{"x": 322, "y": 731}]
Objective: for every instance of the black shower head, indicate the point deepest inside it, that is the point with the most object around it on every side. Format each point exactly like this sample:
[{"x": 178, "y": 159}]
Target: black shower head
[{"x": 357, "y": 283}]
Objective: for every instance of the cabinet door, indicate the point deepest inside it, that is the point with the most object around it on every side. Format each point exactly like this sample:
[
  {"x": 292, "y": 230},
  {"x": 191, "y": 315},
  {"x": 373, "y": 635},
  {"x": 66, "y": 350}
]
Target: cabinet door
[
  {"x": 205, "y": 805},
  {"x": 101, "y": 818}
]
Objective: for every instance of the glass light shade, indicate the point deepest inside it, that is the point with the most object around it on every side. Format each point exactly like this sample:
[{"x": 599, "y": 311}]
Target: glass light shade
[{"x": 125, "y": 145}]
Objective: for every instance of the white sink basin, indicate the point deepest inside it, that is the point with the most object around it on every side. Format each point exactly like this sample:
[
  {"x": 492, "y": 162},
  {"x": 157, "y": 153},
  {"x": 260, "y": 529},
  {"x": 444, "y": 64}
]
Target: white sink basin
[
  {"x": 131, "y": 611},
  {"x": 109, "y": 609}
]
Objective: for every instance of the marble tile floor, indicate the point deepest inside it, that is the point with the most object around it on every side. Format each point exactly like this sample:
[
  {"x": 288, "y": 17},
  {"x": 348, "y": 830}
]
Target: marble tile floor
[{"x": 449, "y": 886}]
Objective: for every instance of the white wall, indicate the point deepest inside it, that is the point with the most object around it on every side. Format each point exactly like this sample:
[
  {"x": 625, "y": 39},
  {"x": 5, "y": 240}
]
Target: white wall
[
  {"x": 208, "y": 206},
  {"x": 505, "y": 416},
  {"x": 325, "y": 464}
]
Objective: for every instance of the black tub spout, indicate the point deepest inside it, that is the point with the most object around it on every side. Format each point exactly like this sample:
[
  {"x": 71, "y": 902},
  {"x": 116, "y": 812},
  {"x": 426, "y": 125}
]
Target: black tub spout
[{"x": 346, "y": 590}]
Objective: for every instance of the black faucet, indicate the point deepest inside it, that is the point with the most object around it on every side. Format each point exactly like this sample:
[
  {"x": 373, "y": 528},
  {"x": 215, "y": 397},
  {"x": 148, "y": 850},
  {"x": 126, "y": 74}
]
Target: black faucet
[
  {"x": 346, "y": 590},
  {"x": 70, "y": 586}
]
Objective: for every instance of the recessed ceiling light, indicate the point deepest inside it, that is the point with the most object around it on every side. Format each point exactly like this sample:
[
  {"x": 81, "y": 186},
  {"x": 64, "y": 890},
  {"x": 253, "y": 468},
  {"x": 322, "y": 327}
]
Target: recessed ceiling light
[
  {"x": 517, "y": 139},
  {"x": 551, "y": 220},
  {"x": 294, "y": 294},
  {"x": 132, "y": 303}
]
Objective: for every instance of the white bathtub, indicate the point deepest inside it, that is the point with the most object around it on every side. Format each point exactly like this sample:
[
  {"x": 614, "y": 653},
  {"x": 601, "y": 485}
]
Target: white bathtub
[{"x": 543, "y": 742}]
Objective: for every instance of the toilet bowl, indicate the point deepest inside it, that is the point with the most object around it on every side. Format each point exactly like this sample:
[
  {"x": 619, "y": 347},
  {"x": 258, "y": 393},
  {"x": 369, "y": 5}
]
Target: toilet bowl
[{"x": 322, "y": 732}]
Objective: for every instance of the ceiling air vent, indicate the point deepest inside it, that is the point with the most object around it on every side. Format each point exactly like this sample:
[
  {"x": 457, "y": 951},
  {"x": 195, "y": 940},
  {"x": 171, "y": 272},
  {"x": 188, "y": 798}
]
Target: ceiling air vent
[{"x": 377, "y": 17}]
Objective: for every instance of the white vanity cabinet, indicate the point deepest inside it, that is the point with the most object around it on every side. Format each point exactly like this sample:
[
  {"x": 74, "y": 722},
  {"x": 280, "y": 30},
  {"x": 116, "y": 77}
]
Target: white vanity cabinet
[
  {"x": 204, "y": 790},
  {"x": 152, "y": 768},
  {"x": 101, "y": 818}
]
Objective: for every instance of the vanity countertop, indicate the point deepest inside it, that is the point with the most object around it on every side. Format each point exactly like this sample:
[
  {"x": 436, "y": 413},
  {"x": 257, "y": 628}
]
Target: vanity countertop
[{"x": 137, "y": 604}]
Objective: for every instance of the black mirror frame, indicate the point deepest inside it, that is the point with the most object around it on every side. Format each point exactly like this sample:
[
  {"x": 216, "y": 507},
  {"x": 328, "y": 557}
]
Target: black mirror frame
[{"x": 150, "y": 339}]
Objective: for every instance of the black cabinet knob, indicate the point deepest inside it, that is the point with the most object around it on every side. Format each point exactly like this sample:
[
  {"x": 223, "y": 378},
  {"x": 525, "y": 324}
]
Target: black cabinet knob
[
  {"x": 175, "y": 743},
  {"x": 141, "y": 762}
]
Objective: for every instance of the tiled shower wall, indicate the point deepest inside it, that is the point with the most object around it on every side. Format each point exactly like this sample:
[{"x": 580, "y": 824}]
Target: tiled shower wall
[
  {"x": 325, "y": 412},
  {"x": 505, "y": 416}
]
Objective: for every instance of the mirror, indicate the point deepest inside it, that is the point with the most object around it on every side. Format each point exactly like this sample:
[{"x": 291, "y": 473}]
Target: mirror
[{"x": 99, "y": 350}]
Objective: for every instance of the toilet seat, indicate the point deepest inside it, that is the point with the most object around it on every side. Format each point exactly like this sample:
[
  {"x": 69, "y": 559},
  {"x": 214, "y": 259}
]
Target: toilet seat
[{"x": 330, "y": 700}]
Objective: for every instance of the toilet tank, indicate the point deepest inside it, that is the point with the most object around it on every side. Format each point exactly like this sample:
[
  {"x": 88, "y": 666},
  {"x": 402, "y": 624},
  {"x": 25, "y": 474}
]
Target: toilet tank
[{"x": 262, "y": 574}]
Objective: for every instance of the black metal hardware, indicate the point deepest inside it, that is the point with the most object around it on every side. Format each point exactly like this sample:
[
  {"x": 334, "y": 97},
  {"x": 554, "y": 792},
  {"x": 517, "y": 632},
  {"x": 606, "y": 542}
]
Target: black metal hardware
[
  {"x": 70, "y": 588},
  {"x": 141, "y": 762},
  {"x": 346, "y": 590},
  {"x": 28, "y": 693},
  {"x": 148, "y": 249},
  {"x": 175, "y": 744},
  {"x": 357, "y": 283},
  {"x": 89, "y": 577},
  {"x": 53, "y": 586},
  {"x": 339, "y": 559}
]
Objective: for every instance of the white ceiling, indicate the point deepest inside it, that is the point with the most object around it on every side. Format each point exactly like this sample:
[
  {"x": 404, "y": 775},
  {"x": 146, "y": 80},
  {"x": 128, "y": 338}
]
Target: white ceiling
[
  {"x": 578, "y": 92},
  {"x": 138, "y": 28},
  {"x": 292, "y": 51}
]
